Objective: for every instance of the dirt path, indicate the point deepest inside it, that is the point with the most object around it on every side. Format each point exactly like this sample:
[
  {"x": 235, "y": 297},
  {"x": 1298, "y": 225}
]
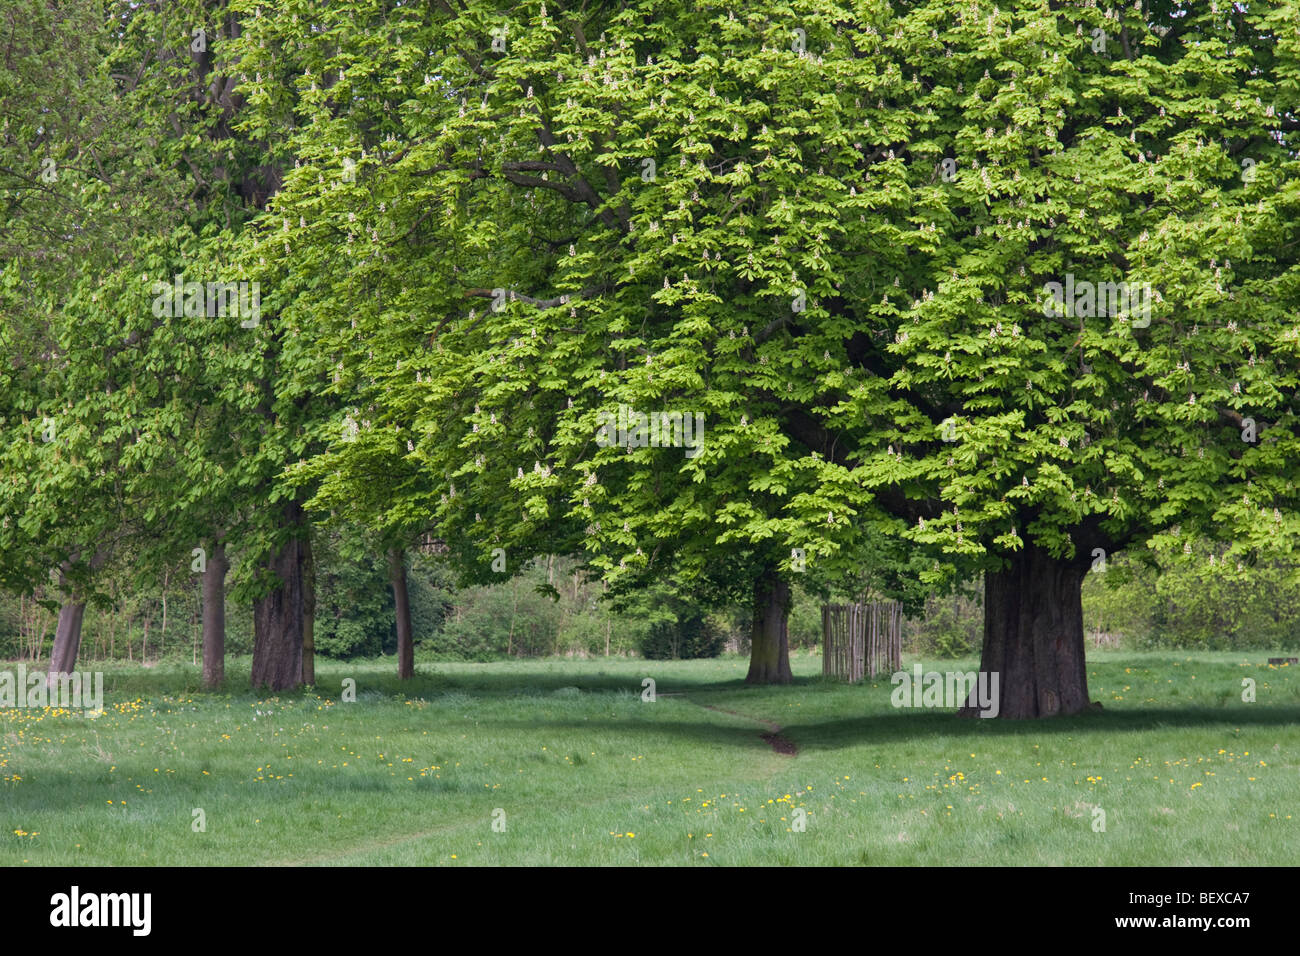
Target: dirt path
[
  {"x": 782, "y": 745},
  {"x": 335, "y": 856}
]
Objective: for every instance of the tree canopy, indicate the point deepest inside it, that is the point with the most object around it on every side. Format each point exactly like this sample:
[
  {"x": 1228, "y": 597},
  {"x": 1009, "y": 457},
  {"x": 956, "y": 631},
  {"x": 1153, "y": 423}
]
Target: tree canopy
[{"x": 935, "y": 289}]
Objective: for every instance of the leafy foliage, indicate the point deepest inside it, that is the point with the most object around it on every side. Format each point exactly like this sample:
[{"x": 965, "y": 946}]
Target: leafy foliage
[
  {"x": 825, "y": 231},
  {"x": 799, "y": 271},
  {"x": 693, "y": 635}
]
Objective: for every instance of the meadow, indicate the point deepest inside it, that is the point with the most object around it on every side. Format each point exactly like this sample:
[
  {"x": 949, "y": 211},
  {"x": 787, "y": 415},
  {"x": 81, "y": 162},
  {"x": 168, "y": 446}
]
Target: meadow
[{"x": 560, "y": 761}]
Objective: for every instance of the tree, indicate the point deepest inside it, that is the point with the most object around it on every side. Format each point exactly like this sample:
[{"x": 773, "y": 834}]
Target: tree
[
  {"x": 173, "y": 425},
  {"x": 845, "y": 238},
  {"x": 249, "y": 417},
  {"x": 67, "y": 156}
]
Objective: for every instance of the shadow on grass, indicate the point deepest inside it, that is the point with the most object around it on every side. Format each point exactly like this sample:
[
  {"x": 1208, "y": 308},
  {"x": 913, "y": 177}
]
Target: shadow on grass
[
  {"x": 903, "y": 726},
  {"x": 426, "y": 683},
  {"x": 811, "y": 736},
  {"x": 66, "y": 791},
  {"x": 878, "y": 723},
  {"x": 518, "y": 677}
]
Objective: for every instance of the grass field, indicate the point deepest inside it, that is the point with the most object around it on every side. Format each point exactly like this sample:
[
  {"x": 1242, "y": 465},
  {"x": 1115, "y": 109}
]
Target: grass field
[{"x": 587, "y": 773}]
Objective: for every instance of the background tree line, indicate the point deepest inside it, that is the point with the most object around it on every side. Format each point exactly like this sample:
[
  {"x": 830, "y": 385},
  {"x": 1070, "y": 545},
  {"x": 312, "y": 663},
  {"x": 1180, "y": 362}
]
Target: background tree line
[{"x": 1177, "y": 602}]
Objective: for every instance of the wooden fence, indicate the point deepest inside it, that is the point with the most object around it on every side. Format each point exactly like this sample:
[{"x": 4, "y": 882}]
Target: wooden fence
[{"x": 862, "y": 639}]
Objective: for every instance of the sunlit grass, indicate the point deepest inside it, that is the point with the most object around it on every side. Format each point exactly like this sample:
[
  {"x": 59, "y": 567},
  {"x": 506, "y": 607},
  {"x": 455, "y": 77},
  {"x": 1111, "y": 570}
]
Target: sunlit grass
[{"x": 578, "y": 769}]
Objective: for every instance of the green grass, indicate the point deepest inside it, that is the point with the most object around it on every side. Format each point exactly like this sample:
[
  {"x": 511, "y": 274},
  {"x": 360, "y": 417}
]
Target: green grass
[{"x": 587, "y": 773}]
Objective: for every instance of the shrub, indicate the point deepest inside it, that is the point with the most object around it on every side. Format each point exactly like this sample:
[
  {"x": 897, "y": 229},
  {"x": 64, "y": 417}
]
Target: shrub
[
  {"x": 354, "y": 607},
  {"x": 951, "y": 627},
  {"x": 805, "y": 623},
  {"x": 693, "y": 635}
]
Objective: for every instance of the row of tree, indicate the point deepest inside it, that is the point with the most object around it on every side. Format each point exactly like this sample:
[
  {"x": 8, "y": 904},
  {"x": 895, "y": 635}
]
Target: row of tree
[
  {"x": 551, "y": 608},
  {"x": 471, "y": 233}
]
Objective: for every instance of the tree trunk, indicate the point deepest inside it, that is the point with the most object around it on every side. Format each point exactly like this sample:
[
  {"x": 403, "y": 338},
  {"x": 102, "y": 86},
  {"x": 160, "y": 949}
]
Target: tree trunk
[
  {"x": 278, "y": 617},
  {"x": 309, "y": 615},
  {"x": 162, "y": 637},
  {"x": 514, "y": 606},
  {"x": 67, "y": 635},
  {"x": 67, "y": 639},
  {"x": 402, "y": 607},
  {"x": 769, "y": 654},
  {"x": 214, "y": 618},
  {"x": 1033, "y": 636}
]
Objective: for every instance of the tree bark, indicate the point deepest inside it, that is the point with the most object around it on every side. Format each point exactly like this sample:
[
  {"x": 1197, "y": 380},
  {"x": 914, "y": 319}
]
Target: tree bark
[
  {"x": 214, "y": 618},
  {"x": 67, "y": 635},
  {"x": 769, "y": 653},
  {"x": 309, "y": 615},
  {"x": 514, "y": 606},
  {"x": 162, "y": 637},
  {"x": 278, "y": 617},
  {"x": 402, "y": 606},
  {"x": 1033, "y": 636},
  {"x": 67, "y": 639}
]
